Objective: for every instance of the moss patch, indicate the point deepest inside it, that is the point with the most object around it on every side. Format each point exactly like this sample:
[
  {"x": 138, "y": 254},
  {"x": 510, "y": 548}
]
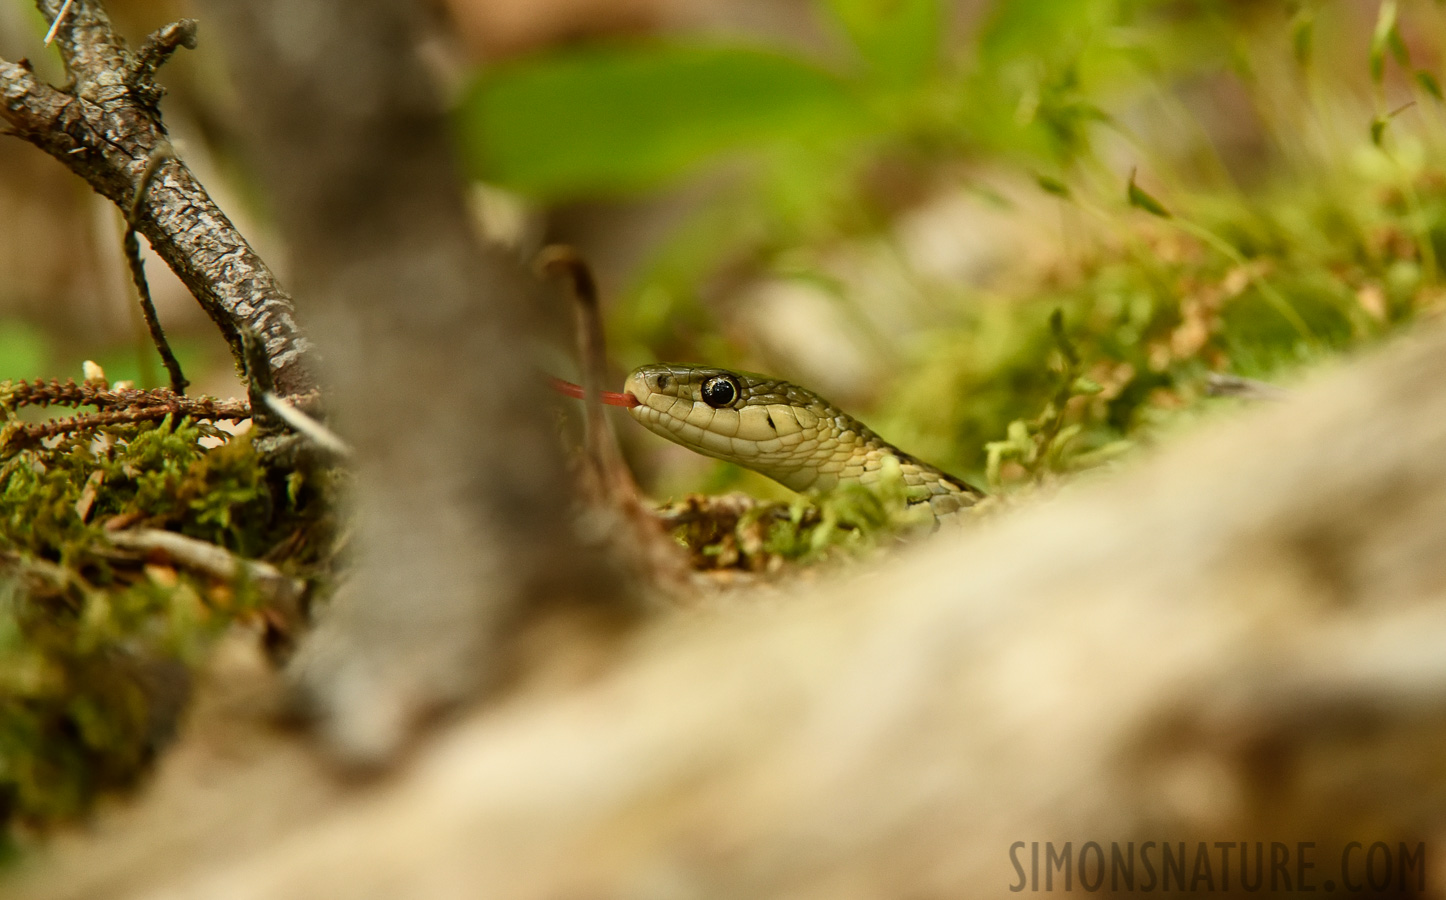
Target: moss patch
[{"x": 97, "y": 644}]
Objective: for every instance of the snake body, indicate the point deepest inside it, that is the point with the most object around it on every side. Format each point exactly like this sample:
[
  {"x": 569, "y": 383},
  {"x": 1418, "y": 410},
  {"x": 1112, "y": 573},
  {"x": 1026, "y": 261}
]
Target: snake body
[{"x": 780, "y": 430}]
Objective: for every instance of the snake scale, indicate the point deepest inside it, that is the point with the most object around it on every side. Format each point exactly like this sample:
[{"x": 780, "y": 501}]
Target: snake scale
[{"x": 780, "y": 430}]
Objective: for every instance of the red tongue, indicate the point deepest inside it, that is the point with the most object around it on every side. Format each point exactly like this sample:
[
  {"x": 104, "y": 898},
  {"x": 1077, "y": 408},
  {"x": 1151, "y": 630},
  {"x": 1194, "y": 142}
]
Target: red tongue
[{"x": 608, "y": 397}]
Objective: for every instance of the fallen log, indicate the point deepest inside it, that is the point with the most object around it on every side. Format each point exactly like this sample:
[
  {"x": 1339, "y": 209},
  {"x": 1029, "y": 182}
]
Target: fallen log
[{"x": 1238, "y": 640}]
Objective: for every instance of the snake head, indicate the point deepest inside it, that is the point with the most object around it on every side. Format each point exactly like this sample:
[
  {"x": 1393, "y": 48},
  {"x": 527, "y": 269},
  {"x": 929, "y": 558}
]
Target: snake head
[
  {"x": 715, "y": 388},
  {"x": 781, "y": 430},
  {"x": 759, "y": 422}
]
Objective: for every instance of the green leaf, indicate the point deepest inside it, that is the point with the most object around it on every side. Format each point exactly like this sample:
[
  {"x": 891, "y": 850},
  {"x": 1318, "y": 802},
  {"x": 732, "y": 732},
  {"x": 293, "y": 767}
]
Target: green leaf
[
  {"x": 898, "y": 39},
  {"x": 1024, "y": 29},
  {"x": 1302, "y": 35},
  {"x": 1053, "y": 186},
  {"x": 623, "y": 118},
  {"x": 1061, "y": 338},
  {"x": 1430, "y": 85},
  {"x": 1139, "y": 198},
  {"x": 1385, "y": 37},
  {"x": 1398, "y": 48},
  {"x": 1379, "y": 123}
]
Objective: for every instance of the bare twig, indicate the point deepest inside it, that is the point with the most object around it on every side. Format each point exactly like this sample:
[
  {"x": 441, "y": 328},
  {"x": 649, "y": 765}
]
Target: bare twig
[
  {"x": 124, "y": 407},
  {"x": 1218, "y": 384},
  {"x": 67, "y": 393},
  {"x": 55, "y": 26},
  {"x": 257, "y": 370},
  {"x": 654, "y": 553},
  {"x": 563, "y": 262},
  {"x": 204, "y": 409},
  {"x": 138, "y": 270},
  {"x": 307, "y": 427},
  {"x": 158, "y": 47},
  {"x": 105, "y": 127},
  {"x": 280, "y": 589}
]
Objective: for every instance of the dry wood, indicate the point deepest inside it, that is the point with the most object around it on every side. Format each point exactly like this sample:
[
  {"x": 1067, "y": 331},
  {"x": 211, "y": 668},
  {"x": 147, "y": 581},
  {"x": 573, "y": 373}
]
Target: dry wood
[{"x": 281, "y": 590}]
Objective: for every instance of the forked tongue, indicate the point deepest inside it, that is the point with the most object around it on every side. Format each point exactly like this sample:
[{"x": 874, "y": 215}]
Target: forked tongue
[{"x": 611, "y": 398}]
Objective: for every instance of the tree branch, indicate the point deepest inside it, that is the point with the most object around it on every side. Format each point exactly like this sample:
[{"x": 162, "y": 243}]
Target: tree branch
[
  {"x": 105, "y": 127},
  {"x": 159, "y": 46}
]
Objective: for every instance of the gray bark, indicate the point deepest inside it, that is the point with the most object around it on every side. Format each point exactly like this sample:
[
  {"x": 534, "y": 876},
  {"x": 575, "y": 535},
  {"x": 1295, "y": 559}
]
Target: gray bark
[{"x": 462, "y": 501}]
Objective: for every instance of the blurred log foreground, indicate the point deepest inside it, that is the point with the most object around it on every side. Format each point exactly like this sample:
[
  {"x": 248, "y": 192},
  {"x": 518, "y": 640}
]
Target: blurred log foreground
[{"x": 1238, "y": 640}]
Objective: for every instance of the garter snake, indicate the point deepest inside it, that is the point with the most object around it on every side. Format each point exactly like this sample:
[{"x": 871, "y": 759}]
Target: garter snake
[{"x": 780, "y": 430}]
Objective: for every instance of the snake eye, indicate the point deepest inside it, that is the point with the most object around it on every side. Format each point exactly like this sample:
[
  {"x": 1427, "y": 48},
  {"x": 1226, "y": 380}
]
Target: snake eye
[{"x": 720, "y": 391}]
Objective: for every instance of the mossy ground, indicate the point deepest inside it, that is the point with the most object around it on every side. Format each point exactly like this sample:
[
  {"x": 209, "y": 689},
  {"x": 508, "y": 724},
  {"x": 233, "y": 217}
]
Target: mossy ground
[
  {"x": 1118, "y": 348},
  {"x": 96, "y": 643}
]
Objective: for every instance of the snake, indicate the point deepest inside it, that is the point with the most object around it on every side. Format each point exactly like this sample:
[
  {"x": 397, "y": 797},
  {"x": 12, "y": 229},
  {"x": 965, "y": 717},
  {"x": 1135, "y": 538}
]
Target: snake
[{"x": 780, "y": 430}]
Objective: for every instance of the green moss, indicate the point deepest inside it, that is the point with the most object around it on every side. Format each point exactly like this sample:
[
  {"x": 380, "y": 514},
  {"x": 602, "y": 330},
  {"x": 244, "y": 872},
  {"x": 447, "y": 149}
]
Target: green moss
[
  {"x": 97, "y": 646},
  {"x": 736, "y": 532}
]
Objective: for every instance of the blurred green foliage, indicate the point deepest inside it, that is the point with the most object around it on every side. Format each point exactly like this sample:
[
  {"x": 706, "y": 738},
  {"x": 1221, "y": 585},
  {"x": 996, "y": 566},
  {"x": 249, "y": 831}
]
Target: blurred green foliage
[
  {"x": 1318, "y": 231},
  {"x": 24, "y": 350},
  {"x": 626, "y": 118}
]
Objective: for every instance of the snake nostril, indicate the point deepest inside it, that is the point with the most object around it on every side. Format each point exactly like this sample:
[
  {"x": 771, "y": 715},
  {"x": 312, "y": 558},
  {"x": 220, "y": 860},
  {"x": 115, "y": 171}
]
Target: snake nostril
[{"x": 663, "y": 382}]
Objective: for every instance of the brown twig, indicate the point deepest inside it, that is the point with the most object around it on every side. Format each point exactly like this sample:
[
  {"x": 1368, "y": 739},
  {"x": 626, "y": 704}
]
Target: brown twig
[
  {"x": 105, "y": 127},
  {"x": 67, "y": 393},
  {"x": 123, "y": 407},
  {"x": 281, "y": 590},
  {"x": 563, "y": 262},
  {"x": 138, "y": 271},
  {"x": 158, "y": 47},
  {"x": 1220, "y": 384},
  {"x": 656, "y": 553},
  {"x": 205, "y": 409}
]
